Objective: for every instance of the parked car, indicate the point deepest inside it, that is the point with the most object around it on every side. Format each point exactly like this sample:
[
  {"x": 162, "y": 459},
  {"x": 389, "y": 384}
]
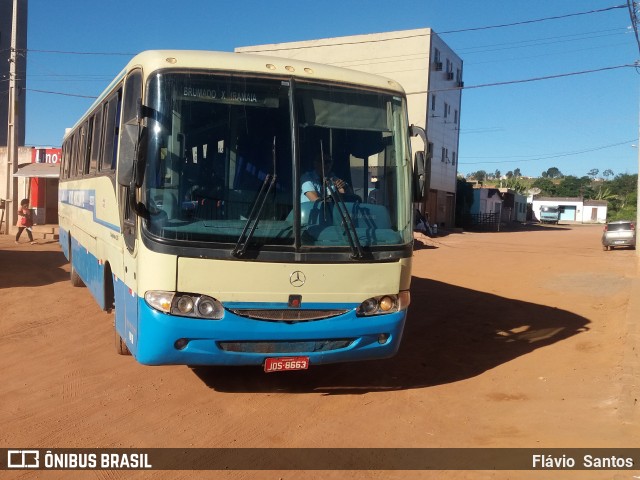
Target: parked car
[{"x": 621, "y": 233}]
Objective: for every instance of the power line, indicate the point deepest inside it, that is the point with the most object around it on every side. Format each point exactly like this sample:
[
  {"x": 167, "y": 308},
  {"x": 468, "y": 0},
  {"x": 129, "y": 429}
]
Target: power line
[
  {"x": 525, "y": 22},
  {"x": 354, "y": 62},
  {"x": 525, "y": 80},
  {"x": 63, "y": 52},
  {"x": 545, "y": 40},
  {"x": 495, "y": 84},
  {"x": 60, "y": 93},
  {"x": 550, "y": 156}
]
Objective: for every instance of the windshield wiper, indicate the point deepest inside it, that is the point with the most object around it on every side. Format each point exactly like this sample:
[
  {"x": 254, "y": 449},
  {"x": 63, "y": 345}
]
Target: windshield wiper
[
  {"x": 256, "y": 210},
  {"x": 254, "y": 217},
  {"x": 350, "y": 230}
]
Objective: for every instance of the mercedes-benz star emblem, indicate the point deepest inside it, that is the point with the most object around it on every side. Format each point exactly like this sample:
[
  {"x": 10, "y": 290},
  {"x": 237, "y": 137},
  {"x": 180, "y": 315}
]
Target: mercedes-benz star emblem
[{"x": 297, "y": 278}]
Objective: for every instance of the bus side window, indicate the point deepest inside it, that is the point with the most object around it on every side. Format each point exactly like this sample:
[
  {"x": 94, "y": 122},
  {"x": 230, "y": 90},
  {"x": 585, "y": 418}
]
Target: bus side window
[
  {"x": 82, "y": 150},
  {"x": 73, "y": 173},
  {"x": 86, "y": 153},
  {"x": 64, "y": 161},
  {"x": 111, "y": 110},
  {"x": 95, "y": 141}
]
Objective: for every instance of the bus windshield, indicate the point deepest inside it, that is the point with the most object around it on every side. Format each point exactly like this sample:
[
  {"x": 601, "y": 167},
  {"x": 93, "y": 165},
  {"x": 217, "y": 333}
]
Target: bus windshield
[{"x": 227, "y": 152}]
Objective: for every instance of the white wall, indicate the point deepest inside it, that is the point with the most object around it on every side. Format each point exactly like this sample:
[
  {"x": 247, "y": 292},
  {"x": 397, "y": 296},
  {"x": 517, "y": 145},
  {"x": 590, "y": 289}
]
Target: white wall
[
  {"x": 601, "y": 213},
  {"x": 583, "y": 213}
]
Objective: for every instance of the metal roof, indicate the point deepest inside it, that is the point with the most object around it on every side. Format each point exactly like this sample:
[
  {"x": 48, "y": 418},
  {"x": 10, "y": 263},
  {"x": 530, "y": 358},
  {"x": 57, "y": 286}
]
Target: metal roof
[{"x": 38, "y": 170}]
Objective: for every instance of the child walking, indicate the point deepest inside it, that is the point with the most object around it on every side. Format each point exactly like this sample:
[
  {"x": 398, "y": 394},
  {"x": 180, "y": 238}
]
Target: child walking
[{"x": 25, "y": 220}]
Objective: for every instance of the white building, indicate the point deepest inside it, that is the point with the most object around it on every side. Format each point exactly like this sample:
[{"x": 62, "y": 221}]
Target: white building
[
  {"x": 431, "y": 74},
  {"x": 573, "y": 209}
]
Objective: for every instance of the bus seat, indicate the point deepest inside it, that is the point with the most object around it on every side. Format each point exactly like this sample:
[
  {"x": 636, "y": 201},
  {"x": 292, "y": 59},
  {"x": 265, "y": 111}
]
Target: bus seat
[
  {"x": 365, "y": 215},
  {"x": 165, "y": 200}
]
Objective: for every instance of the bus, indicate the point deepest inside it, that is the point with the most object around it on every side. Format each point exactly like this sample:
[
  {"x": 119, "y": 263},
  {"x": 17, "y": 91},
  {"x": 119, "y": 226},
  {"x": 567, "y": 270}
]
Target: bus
[{"x": 180, "y": 209}]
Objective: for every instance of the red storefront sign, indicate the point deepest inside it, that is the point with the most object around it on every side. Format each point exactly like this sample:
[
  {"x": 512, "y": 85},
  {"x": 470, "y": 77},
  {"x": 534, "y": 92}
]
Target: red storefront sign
[{"x": 46, "y": 155}]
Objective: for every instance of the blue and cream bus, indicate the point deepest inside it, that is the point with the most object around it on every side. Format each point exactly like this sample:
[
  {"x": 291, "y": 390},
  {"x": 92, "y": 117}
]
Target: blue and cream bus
[{"x": 181, "y": 210}]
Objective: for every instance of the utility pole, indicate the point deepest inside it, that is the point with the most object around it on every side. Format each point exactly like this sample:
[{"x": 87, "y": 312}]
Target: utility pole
[
  {"x": 12, "y": 134},
  {"x": 633, "y": 14}
]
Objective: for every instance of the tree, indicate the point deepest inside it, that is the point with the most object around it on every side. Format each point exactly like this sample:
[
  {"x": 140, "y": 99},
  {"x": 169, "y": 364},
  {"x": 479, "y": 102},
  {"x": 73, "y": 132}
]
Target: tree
[
  {"x": 497, "y": 174},
  {"x": 571, "y": 186},
  {"x": 516, "y": 173},
  {"x": 624, "y": 184},
  {"x": 546, "y": 186},
  {"x": 607, "y": 173},
  {"x": 480, "y": 175},
  {"x": 552, "y": 172},
  {"x": 516, "y": 184},
  {"x": 593, "y": 173}
]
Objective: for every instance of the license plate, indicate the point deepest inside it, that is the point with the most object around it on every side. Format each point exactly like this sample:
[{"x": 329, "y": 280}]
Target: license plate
[
  {"x": 620, "y": 241},
  {"x": 283, "y": 364}
]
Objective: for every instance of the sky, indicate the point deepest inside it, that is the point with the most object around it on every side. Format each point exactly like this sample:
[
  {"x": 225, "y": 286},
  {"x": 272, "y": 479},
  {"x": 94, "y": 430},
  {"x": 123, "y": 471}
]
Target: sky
[{"x": 575, "y": 123}]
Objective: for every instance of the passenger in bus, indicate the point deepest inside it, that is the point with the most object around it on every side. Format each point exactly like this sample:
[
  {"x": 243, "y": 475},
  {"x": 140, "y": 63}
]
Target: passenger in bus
[
  {"x": 375, "y": 195},
  {"x": 25, "y": 221},
  {"x": 312, "y": 181}
]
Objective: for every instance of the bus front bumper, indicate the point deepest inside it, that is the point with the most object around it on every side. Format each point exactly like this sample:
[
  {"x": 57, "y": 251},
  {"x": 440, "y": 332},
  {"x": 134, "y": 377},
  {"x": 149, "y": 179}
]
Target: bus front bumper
[{"x": 234, "y": 340}]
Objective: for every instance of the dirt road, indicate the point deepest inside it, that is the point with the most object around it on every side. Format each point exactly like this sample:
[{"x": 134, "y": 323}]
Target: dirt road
[{"x": 514, "y": 339}]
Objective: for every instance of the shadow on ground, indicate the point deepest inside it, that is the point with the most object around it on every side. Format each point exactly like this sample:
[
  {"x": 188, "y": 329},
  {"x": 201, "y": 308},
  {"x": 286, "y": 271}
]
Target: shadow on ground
[
  {"x": 452, "y": 334},
  {"x": 31, "y": 268}
]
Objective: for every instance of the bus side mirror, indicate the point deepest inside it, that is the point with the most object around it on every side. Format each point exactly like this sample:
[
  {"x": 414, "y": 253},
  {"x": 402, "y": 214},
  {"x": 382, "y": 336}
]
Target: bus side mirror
[
  {"x": 129, "y": 133},
  {"x": 132, "y": 161},
  {"x": 421, "y": 166}
]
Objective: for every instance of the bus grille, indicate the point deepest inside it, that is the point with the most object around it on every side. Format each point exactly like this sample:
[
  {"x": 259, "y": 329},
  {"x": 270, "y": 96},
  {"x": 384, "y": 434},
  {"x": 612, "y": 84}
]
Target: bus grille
[
  {"x": 285, "y": 347},
  {"x": 287, "y": 315}
]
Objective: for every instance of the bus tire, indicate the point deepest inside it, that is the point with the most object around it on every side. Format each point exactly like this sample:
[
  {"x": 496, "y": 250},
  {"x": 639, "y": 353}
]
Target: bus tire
[
  {"x": 121, "y": 346},
  {"x": 109, "y": 292},
  {"x": 76, "y": 281}
]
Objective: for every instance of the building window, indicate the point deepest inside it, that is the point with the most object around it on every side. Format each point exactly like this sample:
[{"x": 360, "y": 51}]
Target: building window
[
  {"x": 453, "y": 158},
  {"x": 446, "y": 109},
  {"x": 444, "y": 154},
  {"x": 433, "y": 102},
  {"x": 455, "y": 117}
]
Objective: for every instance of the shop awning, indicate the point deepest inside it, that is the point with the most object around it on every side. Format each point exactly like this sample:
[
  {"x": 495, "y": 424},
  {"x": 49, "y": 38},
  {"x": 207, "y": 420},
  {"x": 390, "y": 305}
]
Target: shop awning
[{"x": 38, "y": 170}]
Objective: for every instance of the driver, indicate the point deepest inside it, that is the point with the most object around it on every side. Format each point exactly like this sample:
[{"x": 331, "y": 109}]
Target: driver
[{"x": 312, "y": 181}]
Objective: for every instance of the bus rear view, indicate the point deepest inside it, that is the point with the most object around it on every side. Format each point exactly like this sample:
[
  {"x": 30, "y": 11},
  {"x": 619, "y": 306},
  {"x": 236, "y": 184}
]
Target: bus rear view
[{"x": 264, "y": 213}]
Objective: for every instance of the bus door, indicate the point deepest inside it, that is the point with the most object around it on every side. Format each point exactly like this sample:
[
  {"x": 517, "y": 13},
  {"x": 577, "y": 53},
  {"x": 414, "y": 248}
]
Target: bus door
[
  {"x": 129, "y": 134},
  {"x": 129, "y": 254}
]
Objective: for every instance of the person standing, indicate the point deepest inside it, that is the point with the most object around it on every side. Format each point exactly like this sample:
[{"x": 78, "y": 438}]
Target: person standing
[{"x": 25, "y": 220}]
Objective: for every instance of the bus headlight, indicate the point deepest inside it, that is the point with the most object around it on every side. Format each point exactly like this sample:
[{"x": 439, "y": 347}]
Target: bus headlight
[
  {"x": 159, "y": 300},
  {"x": 185, "y": 304},
  {"x": 384, "y": 304},
  {"x": 209, "y": 307}
]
